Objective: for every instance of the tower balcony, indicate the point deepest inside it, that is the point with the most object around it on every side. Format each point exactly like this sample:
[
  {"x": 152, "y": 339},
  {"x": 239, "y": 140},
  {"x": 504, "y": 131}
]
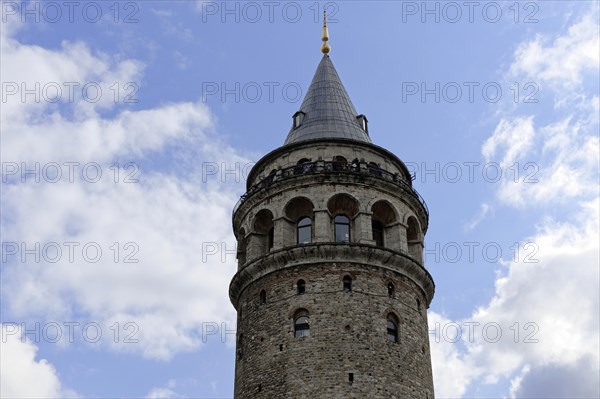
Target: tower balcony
[{"x": 352, "y": 171}]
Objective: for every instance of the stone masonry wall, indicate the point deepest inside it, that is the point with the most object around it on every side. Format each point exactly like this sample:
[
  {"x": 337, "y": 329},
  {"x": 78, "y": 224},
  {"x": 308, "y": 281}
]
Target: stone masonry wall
[{"x": 347, "y": 335}]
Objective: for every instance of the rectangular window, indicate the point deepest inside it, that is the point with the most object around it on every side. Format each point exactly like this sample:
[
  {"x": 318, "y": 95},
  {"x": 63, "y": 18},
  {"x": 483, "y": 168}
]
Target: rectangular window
[
  {"x": 302, "y": 333},
  {"x": 342, "y": 233},
  {"x": 304, "y": 235}
]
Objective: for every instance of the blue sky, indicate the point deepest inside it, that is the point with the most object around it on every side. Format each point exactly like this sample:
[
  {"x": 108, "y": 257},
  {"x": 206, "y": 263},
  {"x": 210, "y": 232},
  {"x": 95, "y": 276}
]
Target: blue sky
[{"x": 158, "y": 160}]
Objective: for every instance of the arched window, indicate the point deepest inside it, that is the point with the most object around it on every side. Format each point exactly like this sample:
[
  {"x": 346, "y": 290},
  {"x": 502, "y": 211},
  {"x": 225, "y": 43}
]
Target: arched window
[
  {"x": 344, "y": 208},
  {"x": 301, "y": 324},
  {"x": 411, "y": 231},
  {"x": 378, "y": 234},
  {"x": 263, "y": 297},
  {"x": 342, "y": 228},
  {"x": 301, "y": 286},
  {"x": 304, "y": 231},
  {"x": 347, "y": 283},
  {"x": 384, "y": 226},
  {"x": 299, "y": 216},
  {"x": 413, "y": 238},
  {"x": 392, "y": 328},
  {"x": 263, "y": 231},
  {"x": 391, "y": 290}
]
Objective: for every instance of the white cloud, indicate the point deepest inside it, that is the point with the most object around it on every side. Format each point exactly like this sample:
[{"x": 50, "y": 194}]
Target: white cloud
[
  {"x": 21, "y": 374},
  {"x": 162, "y": 393},
  {"x": 553, "y": 296},
  {"x": 451, "y": 371},
  {"x": 484, "y": 210},
  {"x": 560, "y": 166},
  {"x": 579, "y": 380},
  {"x": 514, "y": 137},
  {"x": 556, "y": 156},
  {"x": 562, "y": 63},
  {"x": 168, "y": 217},
  {"x": 552, "y": 290},
  {"x": 61, "y": 76},
  {"x": 165, "y": 392}
]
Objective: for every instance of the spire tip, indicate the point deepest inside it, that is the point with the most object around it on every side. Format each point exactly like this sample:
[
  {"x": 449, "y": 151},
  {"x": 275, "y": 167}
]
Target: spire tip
[{"x": 325, "y": 48}]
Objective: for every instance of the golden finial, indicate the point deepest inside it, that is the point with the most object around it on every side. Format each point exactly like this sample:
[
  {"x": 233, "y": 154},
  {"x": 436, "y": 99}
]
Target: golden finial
[{"x": 325, "y": 47}]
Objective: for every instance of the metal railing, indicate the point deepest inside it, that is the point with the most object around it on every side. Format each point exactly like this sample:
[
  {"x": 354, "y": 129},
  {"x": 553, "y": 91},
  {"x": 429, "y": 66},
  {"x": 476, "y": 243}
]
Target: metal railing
[{"x": 318, "y": 167}]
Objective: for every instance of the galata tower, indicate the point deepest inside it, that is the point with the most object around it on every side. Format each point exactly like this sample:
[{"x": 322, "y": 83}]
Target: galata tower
[{"x": 331, "y": 290}]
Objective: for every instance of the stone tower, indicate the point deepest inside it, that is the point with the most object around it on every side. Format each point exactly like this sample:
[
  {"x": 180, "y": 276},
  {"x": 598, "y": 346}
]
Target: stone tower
[{"x": 331, "y": 290}]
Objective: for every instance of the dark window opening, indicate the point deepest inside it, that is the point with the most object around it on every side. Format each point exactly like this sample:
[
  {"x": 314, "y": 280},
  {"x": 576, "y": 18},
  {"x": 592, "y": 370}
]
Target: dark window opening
[
  {"x": 301, "y": 327},
  {"x": 350, "y": 378},
  {"x": 304, "y": 166},
  {"x": 347, "y": 283},
  {"x": 280, "y": 347},
  {"x": 339, "y": 163},
  {"x": 259, "y": 387},
  {"x": 391, "y": 290},
  {"x": 342, "y": 228},
  {"x": 263, "y": 228},
  {"x": 304, "y": 230},
  {"x": 378, "y": 229},
  {"x": 392, "y": 329},
  {"x": 270, "y": 238},
  {"x": 301, "y": 285},
  {"x": 263, "y": 296}
]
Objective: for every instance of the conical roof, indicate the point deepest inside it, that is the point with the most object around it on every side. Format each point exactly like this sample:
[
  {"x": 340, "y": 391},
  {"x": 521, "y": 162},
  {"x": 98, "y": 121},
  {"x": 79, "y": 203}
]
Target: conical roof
[{"x": 328, "y": 111}]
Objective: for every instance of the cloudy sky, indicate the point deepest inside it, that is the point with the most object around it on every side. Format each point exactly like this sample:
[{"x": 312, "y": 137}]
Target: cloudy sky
[{"x": 128, "y": 129}]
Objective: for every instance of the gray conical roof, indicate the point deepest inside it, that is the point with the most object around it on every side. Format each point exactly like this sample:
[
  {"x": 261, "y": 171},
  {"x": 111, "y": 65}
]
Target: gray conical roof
[{"x": 329, "y": 113}]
